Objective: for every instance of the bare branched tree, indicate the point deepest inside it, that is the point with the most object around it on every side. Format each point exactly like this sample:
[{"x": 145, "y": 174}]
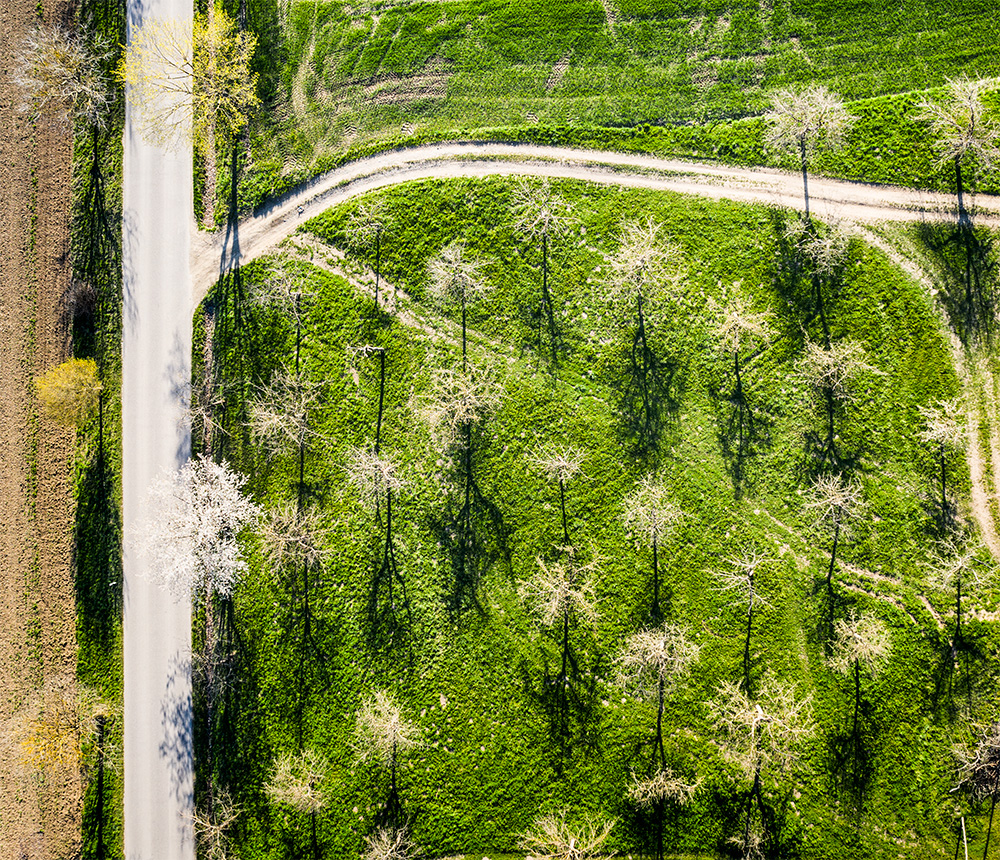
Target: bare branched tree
[
  {"x": 211, "y": 826},
  {"x": 960, "y": 568},
  {"x": 382, "y": 733},
  {"x": 644, "y": 265},
  {"x": 281, "y": 417},
  {"x": 458, "y": 400},
  {"x": 553, "y": 837},
  {"x": 761, "y": 737},
  {"x": 836, "y": 502},
  {"x": 456, "y": 278},
  {"x": 458, "y": 403},
  {"x": 291, "y": 295},
  {"x": 297, "y": 781},
  {"x": 389, "y": 843},
  {"x": 375, "y": 477},
  {"x": 860, "y": 642},
  {"x": 834, "y": 374},
  {"x": 378, "y": 482},
  {"x": 560, "y": 464},
  {"x": 740, "y": 327},
  {"x": 293, "y": 538},
  {"x": 664, "y": 786},
  {"x": 962, "y": 127},
  {"x": 295, "y": 549},
  {"x": 739, "y": 582},
  {"x": 368, "y": 227},
  {"x": 804, "y": 117},
  {"x": 280, "y": 412},
  {"x": 649, "y": 665},
  {"x": 59, "y": 76},
  {"x": 944, "y": 429},
  {"x": 650, "y": 513},
  {"x": 979, "y": 771},
  {"x": 561, "y": 593},
  {"x": 543, "y": 214}
]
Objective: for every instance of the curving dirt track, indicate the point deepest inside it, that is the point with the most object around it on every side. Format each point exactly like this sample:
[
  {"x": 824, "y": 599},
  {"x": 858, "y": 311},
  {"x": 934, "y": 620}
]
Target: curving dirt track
[
  {"x": 212, "y": 253},
  {"x": 39, "y": 795}
]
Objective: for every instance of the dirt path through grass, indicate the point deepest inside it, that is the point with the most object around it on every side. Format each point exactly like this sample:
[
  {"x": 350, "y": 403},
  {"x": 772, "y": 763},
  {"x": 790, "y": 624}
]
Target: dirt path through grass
[
  {"x": 829, "y": 199},
  {"x": 40, "y": 788}
]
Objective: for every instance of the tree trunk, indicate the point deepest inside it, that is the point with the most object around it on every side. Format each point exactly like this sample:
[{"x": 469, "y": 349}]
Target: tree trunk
[
  {"x": 993, "y": 806},
  {"x": 805, "y": 173},
  {"x": 381, "y": 401},
  {"x": 833, "y": 559},
  {"x": 746, "y": 651},
  {"x": 656, "y": 586},
  {"x": 562, "y": 506}
]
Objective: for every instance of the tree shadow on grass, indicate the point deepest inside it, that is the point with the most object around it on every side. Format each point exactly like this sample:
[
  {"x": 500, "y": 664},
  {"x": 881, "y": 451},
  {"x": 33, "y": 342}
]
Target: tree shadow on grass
[
  {"x": 474, "y": 536},
  {"x": 646, "y": 388},
  {"x": 966, "y": 265},
  {"x": 744, "y": 431},
  {"x": 98, "y": 557},
  {"x": 571, "y": 706}
]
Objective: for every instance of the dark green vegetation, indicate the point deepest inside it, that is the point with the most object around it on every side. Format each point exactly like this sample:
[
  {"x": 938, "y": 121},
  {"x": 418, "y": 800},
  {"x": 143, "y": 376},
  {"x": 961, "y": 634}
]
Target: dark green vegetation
[
  {"x": 94, "y": 315},
  {"x": 666, "y": 76},
  {"x": 498, "y": 743}
]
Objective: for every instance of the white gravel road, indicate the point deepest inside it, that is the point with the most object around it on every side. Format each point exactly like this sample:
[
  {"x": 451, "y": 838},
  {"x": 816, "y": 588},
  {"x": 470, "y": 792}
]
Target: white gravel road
[
  {"x": 829, "y": 198},
  {"x": 156, "y": 372}
]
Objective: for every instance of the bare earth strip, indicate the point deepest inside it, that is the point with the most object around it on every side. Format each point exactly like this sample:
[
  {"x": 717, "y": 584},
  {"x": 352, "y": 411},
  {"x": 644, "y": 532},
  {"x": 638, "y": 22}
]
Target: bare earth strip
[{"x": 40, "y": 798}]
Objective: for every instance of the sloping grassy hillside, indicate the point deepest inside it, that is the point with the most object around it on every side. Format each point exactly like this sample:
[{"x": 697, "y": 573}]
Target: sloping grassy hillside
[
  {"x": 470, "y": 662},
  {"x": 359, "y": 75}
]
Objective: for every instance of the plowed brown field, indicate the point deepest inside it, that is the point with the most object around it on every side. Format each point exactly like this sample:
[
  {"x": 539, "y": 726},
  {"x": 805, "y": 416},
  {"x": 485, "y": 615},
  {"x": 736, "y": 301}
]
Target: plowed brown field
[{"x": 40, "y": 782}]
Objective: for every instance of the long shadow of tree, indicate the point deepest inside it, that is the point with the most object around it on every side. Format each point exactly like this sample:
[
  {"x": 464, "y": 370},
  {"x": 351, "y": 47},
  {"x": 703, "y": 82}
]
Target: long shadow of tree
[
  {"x": 967, "y": 274},
  {"x": 646, "y": 388}
]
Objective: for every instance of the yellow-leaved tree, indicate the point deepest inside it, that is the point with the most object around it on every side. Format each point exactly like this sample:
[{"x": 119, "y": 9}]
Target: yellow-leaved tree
[
  {"x": 191, "y": 84},
  {"x": 68, "y": 392}
]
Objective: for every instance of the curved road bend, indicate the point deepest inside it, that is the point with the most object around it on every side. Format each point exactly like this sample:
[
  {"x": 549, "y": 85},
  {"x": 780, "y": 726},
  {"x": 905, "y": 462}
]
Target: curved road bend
[
  {"x": 156, "y": 372},
  {"x": 829, "y": 198}
]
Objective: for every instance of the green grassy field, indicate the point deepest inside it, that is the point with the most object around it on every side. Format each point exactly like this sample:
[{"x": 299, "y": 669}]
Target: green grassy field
[
  {"x": 356, "y": 76},
  {"x": 492, "y": 755}
]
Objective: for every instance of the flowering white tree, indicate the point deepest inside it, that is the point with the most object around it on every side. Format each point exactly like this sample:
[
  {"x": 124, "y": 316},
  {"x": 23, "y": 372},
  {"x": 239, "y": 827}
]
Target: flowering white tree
[
  {"x": 649, "y": 664},
  {"x": 651, "y": 514},
  {"x": 804, "y": 117},
  {"x": 297, "y": 781},
  {"x": 761, "y": 736},
  {"x": 383, "y": 733},
  {"x": 560, "y": 464},
  {"x": 192, "y": 520},
  {"x": 542, "y": 213}
]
